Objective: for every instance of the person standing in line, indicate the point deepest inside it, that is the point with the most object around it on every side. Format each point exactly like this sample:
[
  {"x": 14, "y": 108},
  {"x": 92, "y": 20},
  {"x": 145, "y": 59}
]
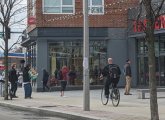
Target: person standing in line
[
  {"x": 45, "y": 79},
  {"x": 13, "y": 79},
  {"x": 72, "y": 75},
  {"x": 65, "y": 72},
  {"x": 112, "y": 73},
  {"x": 27, "y": 81},
  {"x": 128, "y": 77}
]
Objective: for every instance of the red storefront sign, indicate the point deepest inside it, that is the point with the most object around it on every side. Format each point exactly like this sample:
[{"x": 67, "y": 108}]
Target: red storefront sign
[
  {"x": 31, "y": 20},
  {"x": 140, "y": 26},
  {"x": 2, "y": 67}
]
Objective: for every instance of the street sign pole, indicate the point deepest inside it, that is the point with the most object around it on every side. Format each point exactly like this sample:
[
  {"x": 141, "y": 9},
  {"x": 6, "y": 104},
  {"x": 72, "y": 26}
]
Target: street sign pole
[{"x": 86, "y": 91}]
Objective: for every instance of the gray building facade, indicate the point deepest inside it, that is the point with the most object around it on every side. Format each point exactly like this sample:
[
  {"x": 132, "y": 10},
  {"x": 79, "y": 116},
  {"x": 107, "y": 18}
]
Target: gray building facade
[{"x": 49, "y": 48}]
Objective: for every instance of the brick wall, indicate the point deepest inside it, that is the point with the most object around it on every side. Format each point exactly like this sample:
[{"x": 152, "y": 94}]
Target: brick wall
[{"x": 115, "y": 15}]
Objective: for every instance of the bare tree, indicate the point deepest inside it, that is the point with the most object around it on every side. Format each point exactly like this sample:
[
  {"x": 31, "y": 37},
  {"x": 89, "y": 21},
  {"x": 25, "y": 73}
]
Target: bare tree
[
  {"x": 151, "y": 11},
  {"x": 8, "y": 9}
]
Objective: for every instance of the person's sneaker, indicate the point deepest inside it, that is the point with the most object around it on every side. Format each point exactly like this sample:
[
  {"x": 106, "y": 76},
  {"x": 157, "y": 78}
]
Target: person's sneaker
[
  {"x": 15, "y": 96},
  {"x": 28, "y": 97},
  {"x": 129, "y": 94}
]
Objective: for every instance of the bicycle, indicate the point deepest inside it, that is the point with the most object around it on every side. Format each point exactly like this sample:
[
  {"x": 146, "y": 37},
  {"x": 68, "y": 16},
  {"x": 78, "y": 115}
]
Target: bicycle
[{"x": 114, "y": 95}]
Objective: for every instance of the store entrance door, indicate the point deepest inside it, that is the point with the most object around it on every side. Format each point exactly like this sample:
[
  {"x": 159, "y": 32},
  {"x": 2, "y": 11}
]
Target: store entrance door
[
  {"x": 143, "y": 79},
  {"x": 162, "y": 71}
]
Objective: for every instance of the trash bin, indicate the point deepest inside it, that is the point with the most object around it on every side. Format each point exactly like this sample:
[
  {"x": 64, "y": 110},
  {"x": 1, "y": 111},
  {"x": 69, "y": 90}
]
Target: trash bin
[{"x": 1, "y": 87}]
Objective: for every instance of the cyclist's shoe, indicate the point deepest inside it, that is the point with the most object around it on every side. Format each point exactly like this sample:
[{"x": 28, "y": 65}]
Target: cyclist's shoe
[{"x": 106, "y": 96}]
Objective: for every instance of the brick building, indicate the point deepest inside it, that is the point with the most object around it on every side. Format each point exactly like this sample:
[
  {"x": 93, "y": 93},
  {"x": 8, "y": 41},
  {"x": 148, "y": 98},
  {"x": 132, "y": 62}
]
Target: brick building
[{"x": 55, "y": 35}]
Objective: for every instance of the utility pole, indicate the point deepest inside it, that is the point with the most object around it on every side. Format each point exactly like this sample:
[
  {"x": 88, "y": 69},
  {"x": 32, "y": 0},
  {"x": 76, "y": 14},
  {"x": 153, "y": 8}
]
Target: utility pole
[{"x": 86, "y": 91}]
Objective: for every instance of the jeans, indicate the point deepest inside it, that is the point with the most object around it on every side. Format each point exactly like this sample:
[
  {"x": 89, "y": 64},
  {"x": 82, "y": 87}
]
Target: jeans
[
  {"x": 14, "y": 88},
  {"x": 28, "y": 90},
  {"x": 108, "y": 83}
]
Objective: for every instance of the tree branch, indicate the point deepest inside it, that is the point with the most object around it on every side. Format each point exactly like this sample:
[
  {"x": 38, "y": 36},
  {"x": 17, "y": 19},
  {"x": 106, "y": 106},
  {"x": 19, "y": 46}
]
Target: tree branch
[
  {"x": 159, "y": 9},
  {"x": 17, "y": 42},
  {"x": 2, "y": 48}
]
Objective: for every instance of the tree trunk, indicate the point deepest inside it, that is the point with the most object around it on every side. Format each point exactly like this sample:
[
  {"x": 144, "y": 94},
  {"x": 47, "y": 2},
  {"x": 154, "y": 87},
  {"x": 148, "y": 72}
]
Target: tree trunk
[
  {"x": 152, "y": 79},
  {"x": 151, "y": 59},
  {"x": 6, "y": 65}
]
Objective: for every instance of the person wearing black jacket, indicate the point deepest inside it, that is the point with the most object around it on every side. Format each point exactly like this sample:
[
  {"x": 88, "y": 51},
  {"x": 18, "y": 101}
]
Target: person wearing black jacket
[
  {"x": 128, "y": 77},
  {"x": 109, "y": 74},
  {"x": 27, "y": 82},
  {"x": 45, "y": 80},
  {"x": 13, "y": 79}
]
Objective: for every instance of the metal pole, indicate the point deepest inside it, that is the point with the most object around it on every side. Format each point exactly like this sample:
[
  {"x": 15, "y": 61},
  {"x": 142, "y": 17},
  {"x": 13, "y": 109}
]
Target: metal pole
[{"x": 86, "y": 92}]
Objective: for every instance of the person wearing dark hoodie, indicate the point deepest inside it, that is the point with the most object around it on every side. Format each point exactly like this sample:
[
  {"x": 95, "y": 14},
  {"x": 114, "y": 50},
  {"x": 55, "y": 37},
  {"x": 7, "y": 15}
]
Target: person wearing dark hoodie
[
  {"x": 27, "y": 82},
  {"x": 13, "y": 79},
  {"x": 45, "y": 80}
]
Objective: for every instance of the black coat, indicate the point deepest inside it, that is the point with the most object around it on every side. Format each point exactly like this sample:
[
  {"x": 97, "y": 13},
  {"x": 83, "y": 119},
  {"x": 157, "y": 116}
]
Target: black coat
[
  {"x": 13, "y": 76},
  {"x": 26, "y": 76},
  {"x": 105, "y": 71},
  {"x": 128, "y": 70},
  {"x": 45, "y": 76}
]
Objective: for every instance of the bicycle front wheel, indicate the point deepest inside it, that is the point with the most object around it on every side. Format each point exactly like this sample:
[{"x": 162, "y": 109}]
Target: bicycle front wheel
[
  {"x": 104, "y": 99},
  {"x": 115, "y": 96}
]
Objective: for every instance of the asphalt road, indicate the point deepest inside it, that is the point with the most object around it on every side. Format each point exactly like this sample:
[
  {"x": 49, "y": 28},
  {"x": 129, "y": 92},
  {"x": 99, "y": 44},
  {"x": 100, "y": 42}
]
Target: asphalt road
[{"x": 11, "y": 114}]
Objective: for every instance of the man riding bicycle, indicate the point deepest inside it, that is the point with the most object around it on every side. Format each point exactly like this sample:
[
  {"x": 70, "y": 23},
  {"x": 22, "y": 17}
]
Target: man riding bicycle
[{"x": 112, "y": 73}]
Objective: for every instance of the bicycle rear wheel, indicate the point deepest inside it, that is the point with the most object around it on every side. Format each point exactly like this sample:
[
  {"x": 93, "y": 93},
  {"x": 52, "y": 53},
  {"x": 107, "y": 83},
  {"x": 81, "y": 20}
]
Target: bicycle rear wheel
[
  {"x": 115, "y": 97},
  {"x": 104, "y": 99}
]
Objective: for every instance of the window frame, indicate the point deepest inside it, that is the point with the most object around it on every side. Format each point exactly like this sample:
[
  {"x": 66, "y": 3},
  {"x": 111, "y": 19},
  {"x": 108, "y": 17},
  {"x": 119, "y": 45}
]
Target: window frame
[
  {"x": 90, "y": 6},
  {"x": 33, "y": 7},
  {"x": 61, "y": 6}
]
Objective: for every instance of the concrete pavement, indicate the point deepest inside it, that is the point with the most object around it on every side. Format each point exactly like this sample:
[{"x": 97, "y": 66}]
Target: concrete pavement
[{"x": 71, "y": 106}]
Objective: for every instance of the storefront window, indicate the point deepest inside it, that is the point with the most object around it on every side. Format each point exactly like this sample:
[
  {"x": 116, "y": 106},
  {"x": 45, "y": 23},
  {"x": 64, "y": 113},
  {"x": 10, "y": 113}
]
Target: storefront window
[
  {"x": 31, "y": 55},
  {"x": 162, "y": 44},
  {"x": 71, "y": 54},
  {"x": 143, "y": 77}
]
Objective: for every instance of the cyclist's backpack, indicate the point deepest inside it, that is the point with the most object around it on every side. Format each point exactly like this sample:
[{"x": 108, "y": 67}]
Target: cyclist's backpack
[{"x": 113, "y": 71}]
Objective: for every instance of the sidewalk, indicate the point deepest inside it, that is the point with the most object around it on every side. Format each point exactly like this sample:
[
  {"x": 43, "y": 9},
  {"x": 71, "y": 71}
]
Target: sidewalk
[{"x": 71, "y": 106}]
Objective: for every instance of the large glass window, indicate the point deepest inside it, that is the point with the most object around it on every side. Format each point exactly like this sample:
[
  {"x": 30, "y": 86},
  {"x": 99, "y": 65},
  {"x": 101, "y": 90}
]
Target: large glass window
[
  {"x": 58, "y": 6},
  {"x": 96, "y": 6},
  {"x": 143, "y": 72},
  {"x": 162, "y": 44},
  {"x": 71, "y": 54},
  {"x": 31, "y": 55}
]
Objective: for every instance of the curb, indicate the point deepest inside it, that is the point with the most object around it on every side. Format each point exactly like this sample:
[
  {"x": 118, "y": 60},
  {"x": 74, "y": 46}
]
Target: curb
[{"x": 62, "y": 114}]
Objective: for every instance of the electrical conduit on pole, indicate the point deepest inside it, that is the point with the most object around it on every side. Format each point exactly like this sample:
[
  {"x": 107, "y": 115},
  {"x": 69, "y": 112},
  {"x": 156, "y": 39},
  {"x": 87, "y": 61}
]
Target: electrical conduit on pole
[{"x": 86, "y": 91}]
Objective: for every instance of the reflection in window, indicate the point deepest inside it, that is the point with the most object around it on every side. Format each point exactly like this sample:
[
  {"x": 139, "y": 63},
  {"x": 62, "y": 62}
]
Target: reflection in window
[{"x": 96, "y": 6}]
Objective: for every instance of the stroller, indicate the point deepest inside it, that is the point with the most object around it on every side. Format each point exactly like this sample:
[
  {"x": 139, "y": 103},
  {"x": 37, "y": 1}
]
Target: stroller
[{"x": 52, "y": 82}]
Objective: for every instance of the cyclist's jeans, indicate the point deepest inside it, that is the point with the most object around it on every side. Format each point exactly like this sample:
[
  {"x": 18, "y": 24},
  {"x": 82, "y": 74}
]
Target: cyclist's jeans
[{"x": 108, "y": 83}]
